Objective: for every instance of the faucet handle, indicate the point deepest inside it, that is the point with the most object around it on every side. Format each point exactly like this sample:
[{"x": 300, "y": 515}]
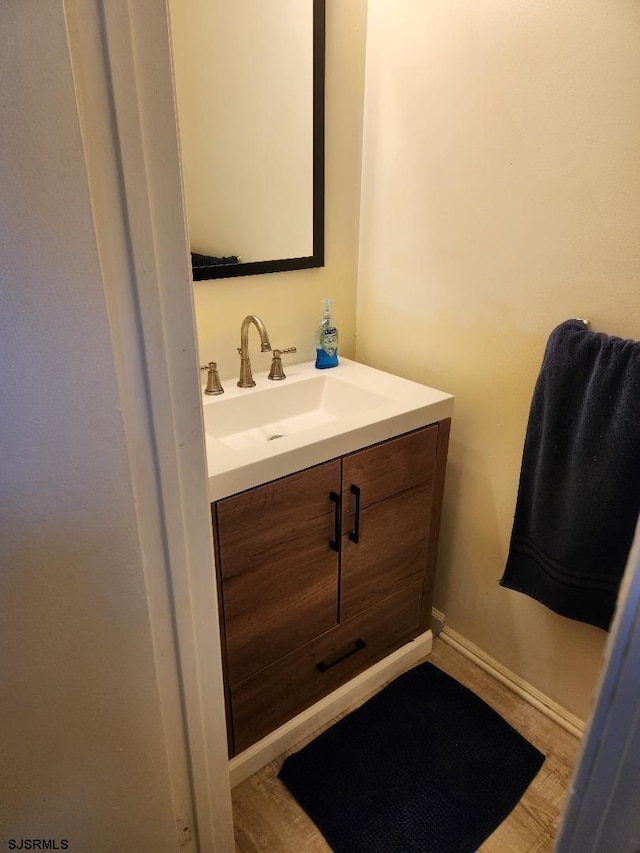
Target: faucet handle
[
  {"x": 213, "y": 380},
  {"x": 276, "y": 371}
]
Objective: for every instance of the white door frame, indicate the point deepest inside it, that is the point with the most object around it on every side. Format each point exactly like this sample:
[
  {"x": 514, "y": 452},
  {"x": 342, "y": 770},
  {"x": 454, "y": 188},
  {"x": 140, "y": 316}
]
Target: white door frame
[
  {"x": 121, "y": 58},
  {"x": 601, "y": 815}
]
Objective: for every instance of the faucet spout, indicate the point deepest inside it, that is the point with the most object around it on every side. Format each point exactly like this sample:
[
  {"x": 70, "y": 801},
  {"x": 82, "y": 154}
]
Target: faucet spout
[{"x": 246, "y": 379}]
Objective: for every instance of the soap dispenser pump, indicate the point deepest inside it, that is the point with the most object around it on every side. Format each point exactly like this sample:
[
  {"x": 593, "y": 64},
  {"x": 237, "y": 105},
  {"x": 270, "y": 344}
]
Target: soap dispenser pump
[{"x": 326, "y": 340}]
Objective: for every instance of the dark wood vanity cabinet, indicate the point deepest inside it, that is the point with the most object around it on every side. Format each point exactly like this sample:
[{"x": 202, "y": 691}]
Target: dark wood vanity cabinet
[{"x": 323, "y": 573}]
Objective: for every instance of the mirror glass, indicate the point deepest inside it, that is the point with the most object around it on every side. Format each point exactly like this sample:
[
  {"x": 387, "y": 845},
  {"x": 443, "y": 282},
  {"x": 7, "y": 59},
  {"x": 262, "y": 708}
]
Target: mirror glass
[{"x": 250, "y": 90}]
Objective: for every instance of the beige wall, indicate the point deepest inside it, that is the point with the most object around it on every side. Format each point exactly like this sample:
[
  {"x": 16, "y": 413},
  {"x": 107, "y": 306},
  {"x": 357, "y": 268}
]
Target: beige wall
[
  {"x": 290, "y": 303},
  {"x": 501, "y": 195}
]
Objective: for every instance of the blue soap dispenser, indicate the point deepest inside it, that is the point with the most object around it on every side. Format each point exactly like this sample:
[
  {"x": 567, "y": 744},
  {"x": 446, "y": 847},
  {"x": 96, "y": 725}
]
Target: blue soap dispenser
[{"x": 326, "y": 339}]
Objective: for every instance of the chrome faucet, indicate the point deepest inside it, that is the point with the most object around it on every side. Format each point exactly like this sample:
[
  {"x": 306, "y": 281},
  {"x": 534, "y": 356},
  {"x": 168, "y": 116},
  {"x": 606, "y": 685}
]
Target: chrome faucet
[{"x": 246, "y": 379}]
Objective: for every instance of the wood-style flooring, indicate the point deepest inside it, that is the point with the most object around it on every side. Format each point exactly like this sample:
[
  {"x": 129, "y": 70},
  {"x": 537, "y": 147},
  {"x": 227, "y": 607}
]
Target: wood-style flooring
[{"x": 268, "y": 820}]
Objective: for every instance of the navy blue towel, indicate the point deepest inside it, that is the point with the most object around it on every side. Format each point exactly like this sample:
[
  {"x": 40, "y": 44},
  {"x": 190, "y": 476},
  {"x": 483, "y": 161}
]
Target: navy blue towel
[{"x": 579, "y": 494}]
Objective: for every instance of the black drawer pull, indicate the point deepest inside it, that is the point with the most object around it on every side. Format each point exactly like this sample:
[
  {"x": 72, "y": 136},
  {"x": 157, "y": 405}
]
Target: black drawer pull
[
  {"x": 354, "y": 534},
  {"x": 359, "y": 644},
  {"x": 334, "y": 543}
]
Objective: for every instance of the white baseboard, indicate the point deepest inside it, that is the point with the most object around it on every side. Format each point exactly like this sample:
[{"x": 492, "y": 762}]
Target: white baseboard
[
  {"x": 350, "y": 694},
  {"x": 572, "y": 724}
]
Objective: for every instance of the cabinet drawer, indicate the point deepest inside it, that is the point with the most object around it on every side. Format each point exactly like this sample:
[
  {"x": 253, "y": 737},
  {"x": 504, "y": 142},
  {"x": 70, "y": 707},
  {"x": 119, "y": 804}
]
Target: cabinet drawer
[{"x": 285, "y": 688}]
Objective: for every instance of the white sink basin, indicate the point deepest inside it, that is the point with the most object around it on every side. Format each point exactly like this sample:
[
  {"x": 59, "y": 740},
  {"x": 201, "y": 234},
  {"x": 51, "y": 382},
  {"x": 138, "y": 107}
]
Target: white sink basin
[
  {"x": 282, "y": 409},
  {"x": 258, "y": 434}
]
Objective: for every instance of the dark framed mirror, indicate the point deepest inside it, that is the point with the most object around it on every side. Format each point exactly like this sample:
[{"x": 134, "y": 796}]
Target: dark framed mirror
[{"x": 282, "y": 123}]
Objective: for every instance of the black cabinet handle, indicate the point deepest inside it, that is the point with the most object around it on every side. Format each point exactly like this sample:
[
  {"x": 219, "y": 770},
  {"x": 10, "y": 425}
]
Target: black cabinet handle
[
  {"x": 354, "y": 534},
  {"x": 334, "y": 543},
  {"x": 357, "y": 646}
]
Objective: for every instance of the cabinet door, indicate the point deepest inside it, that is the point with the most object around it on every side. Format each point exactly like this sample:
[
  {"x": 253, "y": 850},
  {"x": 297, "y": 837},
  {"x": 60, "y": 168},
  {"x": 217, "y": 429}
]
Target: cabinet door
[
  {"x": 387, "y": 496},
  {"x": 279, "y": 573}
]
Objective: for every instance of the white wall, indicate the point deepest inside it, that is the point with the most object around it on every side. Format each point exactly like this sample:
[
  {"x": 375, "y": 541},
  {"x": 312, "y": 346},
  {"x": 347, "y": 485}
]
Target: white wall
[
  {"x": 501, "y": 195},
  {"x": 83, "y": 748}
]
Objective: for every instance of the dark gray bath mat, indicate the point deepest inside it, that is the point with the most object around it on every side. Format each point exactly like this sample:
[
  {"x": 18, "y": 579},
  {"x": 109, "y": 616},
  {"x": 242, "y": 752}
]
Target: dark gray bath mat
[{"x": 425, "y": 766}]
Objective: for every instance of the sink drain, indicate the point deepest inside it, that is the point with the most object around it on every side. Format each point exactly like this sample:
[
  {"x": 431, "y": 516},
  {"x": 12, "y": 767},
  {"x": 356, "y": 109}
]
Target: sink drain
[{"x": 277, "y": 435}]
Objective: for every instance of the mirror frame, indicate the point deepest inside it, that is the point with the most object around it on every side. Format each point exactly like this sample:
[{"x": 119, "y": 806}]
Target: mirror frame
[{"x": 316, "y": 259}]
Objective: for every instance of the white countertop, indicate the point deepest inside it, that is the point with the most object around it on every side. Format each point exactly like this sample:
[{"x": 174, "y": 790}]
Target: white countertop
[{"x": 254, "y": 435}]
